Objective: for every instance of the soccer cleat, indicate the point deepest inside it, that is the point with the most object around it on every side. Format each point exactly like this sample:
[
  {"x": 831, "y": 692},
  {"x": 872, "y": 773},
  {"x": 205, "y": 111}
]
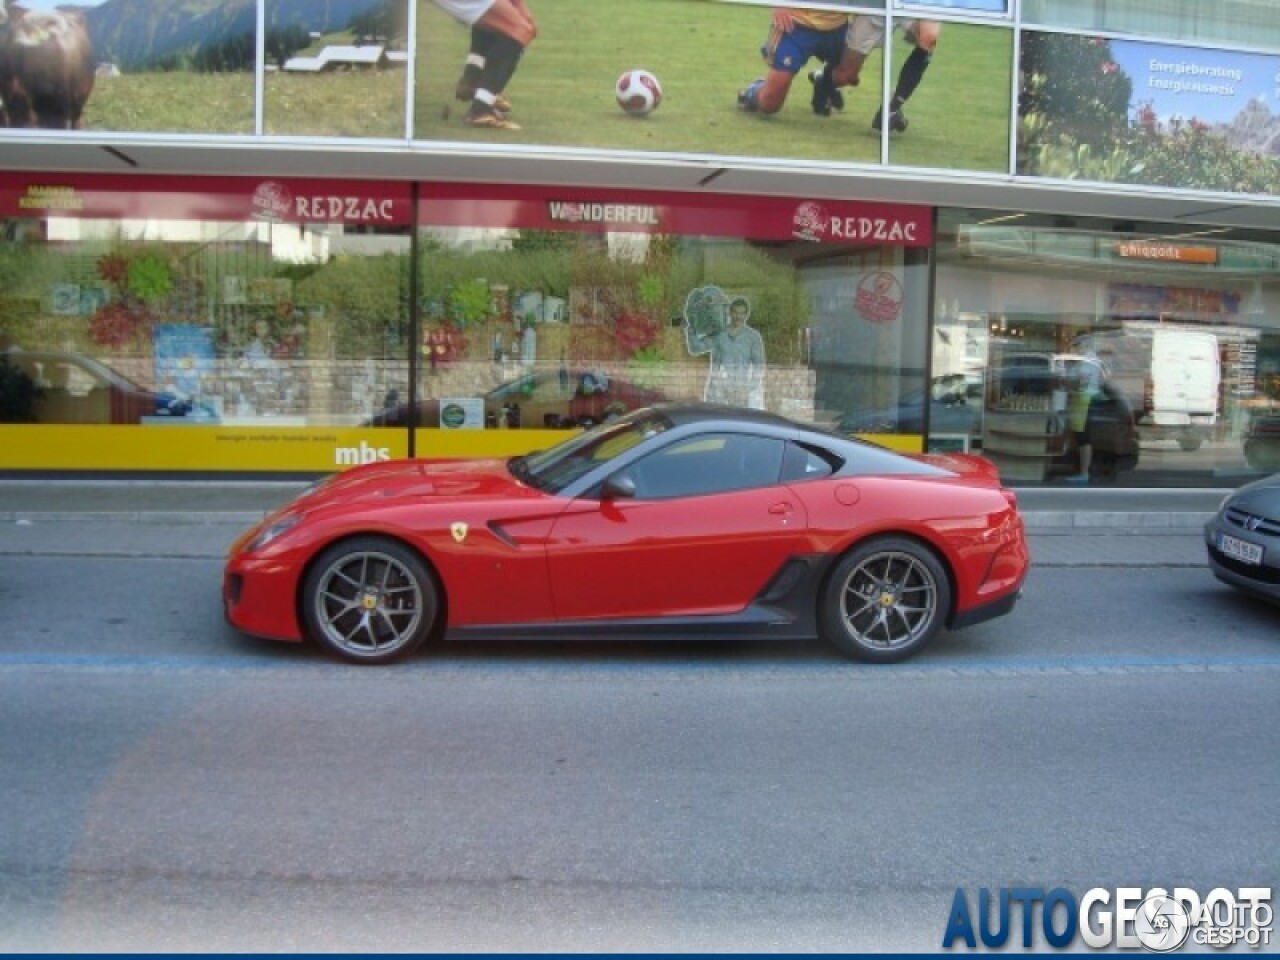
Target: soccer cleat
[
  {"x": 747, "y": 99},
  {"x": 826, "y": 96},
  {"x": 489, "y": 119},
  {"x": 821, "y": 99},
  {"x": 897, "y": 121},
  {"x": 466, "y": 93}
]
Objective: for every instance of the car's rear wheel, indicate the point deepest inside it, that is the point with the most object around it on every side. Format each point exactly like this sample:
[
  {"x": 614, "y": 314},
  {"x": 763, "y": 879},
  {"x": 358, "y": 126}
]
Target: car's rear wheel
[
  {"x": 885, "y": 600},
  {"x": 370, "y": 600}
]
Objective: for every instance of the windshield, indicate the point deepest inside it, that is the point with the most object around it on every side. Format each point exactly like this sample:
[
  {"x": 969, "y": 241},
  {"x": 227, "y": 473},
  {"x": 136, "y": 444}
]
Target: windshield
[{"x": 553, "y": 470}]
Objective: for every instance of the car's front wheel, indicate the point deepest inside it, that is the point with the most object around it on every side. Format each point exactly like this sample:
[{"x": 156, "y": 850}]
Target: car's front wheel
[
  {"x": 370, "y": 600},
  {"x": 885, "y": 600}
]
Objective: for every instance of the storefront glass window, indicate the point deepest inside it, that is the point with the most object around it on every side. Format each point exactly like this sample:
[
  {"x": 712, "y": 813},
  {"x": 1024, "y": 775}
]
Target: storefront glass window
[
  {"x": 243, "y": 325},
  {"x": 1103, "y": 352},
  {"x": 235, "y": 324},
  {"x": 550, "y": 311}
]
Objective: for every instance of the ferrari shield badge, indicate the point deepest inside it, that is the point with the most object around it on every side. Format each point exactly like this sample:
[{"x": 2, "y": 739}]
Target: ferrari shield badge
[{"x": 459, "y": 531}]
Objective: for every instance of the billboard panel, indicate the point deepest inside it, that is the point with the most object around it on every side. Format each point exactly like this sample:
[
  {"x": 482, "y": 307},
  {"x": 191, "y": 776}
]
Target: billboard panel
[
  {"x": 1126, "y": 111},
  {"x": 703, "y": 55},
  {"x": 949, "y": 102},
  {"x": 719, "y": 79},
  {"x": 336, "y": 70},
  {"x": 151, "y": 66}
]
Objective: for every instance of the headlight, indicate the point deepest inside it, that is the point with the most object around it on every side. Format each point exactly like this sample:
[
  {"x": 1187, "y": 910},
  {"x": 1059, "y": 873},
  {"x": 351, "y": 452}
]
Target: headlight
[{"x": 273, "y": 530}]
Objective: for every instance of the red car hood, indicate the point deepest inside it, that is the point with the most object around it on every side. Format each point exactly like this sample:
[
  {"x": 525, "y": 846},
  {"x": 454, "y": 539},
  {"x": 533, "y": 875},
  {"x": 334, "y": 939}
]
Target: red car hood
[{"x": 417, "y": 480}]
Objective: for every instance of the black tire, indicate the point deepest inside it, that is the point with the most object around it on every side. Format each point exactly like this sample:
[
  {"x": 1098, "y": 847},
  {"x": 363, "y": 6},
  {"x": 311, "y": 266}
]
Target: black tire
[
  {"x": 370, "y": 600},
  {"x": 885, "y": 600}
]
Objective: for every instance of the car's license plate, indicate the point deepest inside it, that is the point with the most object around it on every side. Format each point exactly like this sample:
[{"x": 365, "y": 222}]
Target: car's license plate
[{"x": 1239, "y": 549}]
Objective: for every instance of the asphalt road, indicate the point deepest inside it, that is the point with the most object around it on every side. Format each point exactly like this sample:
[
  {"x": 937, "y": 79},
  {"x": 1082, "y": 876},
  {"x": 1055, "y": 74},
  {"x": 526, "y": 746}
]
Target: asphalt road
[{"x": 166, "y": 784}]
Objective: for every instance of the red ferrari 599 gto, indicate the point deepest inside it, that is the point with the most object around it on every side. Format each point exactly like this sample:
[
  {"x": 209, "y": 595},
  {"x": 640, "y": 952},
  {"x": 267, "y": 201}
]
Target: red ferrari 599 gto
[{"x": 680, "y": 518}]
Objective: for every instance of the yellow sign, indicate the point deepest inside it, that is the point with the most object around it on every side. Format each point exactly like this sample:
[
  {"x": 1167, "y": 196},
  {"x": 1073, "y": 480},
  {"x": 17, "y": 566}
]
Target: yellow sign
[
  {"x": 196, "y": 447},
  {"x": 901, "y": 442},
  {"x": 211, "y": 447}
]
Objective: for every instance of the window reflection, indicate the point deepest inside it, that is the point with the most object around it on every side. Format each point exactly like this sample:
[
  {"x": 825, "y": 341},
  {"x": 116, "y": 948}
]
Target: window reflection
[{"x": 1108, "y": 352}]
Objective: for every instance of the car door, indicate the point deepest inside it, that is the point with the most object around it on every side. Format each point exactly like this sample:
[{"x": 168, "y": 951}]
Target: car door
[{"x": 707, "y": 528}]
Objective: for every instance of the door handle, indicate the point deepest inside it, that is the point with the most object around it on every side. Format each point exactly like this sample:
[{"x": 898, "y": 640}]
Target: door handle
[{"x": 781, "y": 509}]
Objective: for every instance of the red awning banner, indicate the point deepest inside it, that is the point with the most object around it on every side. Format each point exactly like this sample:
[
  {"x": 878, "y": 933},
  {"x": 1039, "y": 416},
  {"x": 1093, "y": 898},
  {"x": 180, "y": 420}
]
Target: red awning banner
[
  {"x": 229, "y": 199},
  {"x": 841, "y": 222}
]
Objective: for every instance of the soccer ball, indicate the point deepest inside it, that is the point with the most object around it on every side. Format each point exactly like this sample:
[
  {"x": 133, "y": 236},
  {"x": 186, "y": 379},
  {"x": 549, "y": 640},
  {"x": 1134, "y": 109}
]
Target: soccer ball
[{"x": 638, "y": 92}]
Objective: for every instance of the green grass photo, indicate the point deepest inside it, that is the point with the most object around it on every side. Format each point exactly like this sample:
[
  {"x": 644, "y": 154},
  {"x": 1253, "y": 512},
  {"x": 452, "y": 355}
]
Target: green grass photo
[{"x": 703, "y": 53}]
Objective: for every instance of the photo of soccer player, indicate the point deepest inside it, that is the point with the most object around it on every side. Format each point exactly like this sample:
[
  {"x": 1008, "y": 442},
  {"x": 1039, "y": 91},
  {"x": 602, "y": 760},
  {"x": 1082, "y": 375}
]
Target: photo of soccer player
[
  {"x": 866, "y": 34},
  {"x": 565, "y": 94},
  {"x": 501, "y": 30},
  {"x": 796, "y": 36}
]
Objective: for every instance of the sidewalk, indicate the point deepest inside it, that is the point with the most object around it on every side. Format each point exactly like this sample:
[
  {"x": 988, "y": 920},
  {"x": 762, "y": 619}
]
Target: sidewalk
[{"x": 198, "y": 518}]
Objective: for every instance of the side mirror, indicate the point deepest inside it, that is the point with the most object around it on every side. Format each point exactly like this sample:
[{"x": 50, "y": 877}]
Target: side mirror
[{"x": 619, "y": 486}]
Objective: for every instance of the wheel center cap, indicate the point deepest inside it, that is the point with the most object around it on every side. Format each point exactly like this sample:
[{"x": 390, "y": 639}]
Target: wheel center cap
[
  {"x": 887, "y": 599},
  {"x": 369, "y": 601}
]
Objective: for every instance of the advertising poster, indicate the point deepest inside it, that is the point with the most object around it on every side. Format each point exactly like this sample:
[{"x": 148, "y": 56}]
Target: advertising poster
[
  {"x": 950, "y": 110},
  {"x": 700, "y": 61},
  {"x": 331, "y": 69},
  {"x": 140, "y": 65},
  {"x": 1125, "y": 111},
  {"x": 336, "y": 69},
  {"x": 184, "y": 357}
]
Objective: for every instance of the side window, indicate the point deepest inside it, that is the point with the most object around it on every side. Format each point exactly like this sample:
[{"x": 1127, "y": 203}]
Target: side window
[
  {"x": 713, "y": 464},
  {"x": 803, "y": 463}
]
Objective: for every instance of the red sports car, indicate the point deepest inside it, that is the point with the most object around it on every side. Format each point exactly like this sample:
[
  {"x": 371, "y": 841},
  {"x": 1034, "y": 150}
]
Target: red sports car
[{"x": 682, "y": 518}]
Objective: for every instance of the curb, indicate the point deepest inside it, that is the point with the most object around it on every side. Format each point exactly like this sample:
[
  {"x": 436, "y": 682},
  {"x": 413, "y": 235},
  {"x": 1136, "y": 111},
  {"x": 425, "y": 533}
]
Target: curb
[{"x": 1116, "y": 521}]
